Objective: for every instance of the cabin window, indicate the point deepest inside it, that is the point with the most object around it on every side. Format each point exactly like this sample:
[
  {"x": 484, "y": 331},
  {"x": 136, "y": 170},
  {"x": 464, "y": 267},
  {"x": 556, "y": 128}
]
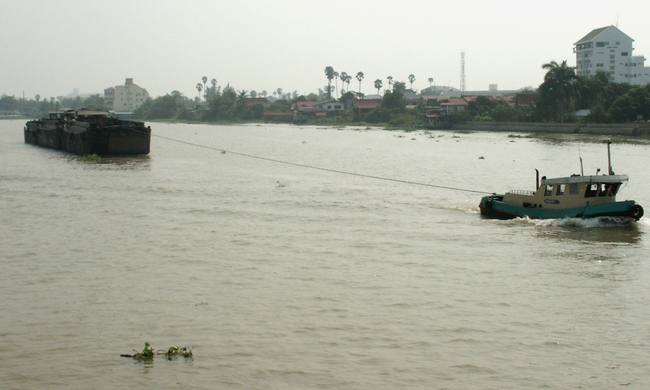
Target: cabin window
[
  {"x": 548, "y": 190},
  {"x": 573, "y": 189},
  {"x": 560, "y": 189},
  {"x": 608, "y": 189},
  {"x": 592, "y": 190},
  {"x": 602, "y": 189}
]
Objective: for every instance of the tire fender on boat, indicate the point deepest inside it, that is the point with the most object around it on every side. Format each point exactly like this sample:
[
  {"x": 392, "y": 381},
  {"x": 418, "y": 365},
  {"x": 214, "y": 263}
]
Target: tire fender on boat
[{"x": 636, "y": 211}]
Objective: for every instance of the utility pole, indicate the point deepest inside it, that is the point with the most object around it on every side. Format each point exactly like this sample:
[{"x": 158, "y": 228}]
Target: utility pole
[{"x": 462, "y": 71}]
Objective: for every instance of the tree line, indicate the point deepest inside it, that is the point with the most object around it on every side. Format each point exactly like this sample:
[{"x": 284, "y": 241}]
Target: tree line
[{"x": 561, "y": 93}]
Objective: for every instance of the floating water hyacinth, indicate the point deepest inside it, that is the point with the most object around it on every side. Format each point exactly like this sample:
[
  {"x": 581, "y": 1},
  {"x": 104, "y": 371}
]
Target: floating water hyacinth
[{"x": 148, "y": 352}]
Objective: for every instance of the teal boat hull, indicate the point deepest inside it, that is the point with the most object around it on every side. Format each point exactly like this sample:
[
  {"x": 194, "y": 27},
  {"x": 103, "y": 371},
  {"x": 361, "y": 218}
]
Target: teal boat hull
[{"x": 493, "y": 206}]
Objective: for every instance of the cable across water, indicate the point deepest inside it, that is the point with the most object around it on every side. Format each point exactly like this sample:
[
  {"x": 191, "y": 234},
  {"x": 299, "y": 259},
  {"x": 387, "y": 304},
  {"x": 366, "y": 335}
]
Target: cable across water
[{"x": 321, "y": 168}]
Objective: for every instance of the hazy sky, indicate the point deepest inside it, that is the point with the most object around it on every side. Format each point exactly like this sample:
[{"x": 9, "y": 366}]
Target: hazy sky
[{"x": 51, "y": 47}]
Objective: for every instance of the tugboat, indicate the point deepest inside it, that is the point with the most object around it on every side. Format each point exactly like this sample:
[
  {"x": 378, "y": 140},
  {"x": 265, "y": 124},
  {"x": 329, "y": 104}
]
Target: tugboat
[
  {"x": 576, "y": 196},
  {"x": 89, "y": 132}
]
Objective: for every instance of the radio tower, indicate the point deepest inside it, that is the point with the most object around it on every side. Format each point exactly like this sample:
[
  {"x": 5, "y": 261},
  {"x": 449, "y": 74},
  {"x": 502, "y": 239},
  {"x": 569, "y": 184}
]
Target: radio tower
[{"x": 462, "y": 71}]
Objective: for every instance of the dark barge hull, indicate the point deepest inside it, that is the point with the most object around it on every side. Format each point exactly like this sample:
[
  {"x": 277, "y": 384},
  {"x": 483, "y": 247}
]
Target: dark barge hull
[{"x": 85, "y": 133}]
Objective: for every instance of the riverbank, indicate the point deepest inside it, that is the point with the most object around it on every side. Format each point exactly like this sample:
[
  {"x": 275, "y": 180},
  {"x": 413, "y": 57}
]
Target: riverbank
[{"x": 610, "y": 129}]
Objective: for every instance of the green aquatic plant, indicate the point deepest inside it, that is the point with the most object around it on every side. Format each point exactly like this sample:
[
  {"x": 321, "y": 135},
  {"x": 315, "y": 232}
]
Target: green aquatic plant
[
  {"x": 148, "y": 352},
  {"x": 175, "y": 351},
  {"x": 90, "y": 158}
]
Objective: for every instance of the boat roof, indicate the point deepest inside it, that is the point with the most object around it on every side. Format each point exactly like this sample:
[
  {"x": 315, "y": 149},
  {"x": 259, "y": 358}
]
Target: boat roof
[
  {"x": 91, "y": 113},
  {"x": 587, "y": 179}
]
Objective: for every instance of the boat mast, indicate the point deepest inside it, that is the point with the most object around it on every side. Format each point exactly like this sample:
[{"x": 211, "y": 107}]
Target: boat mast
[
  {"x": 582, "y": 168},
  {"x": 609, "y": 158}
]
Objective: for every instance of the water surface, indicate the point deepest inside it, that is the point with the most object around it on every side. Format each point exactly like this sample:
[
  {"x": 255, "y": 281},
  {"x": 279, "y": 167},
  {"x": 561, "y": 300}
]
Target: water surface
[{"x": 282, "y": 276}]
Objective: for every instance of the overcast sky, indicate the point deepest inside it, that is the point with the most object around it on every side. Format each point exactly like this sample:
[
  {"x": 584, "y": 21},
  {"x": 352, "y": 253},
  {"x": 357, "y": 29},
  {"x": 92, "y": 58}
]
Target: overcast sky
[{"x": 51, "y": 47}]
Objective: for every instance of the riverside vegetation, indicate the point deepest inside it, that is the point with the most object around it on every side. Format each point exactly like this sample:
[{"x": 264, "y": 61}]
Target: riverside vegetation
[{"x": 561, "y": 93}]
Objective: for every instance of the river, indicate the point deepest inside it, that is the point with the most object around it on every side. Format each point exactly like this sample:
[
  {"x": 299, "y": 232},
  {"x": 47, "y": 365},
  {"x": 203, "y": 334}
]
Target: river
[{"x": 254, "y": 245}]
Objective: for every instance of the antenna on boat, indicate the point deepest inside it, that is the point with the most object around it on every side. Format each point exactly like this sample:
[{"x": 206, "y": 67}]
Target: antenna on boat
[
  {"x": 609, "y": 158},
  {"x": 536, "y": 179},
  {"x": 582, "y": 169}
]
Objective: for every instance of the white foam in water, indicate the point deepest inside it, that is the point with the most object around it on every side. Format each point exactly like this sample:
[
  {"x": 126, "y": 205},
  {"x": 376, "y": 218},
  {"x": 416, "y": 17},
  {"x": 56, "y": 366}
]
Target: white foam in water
[{"x": 587, "y": 223}]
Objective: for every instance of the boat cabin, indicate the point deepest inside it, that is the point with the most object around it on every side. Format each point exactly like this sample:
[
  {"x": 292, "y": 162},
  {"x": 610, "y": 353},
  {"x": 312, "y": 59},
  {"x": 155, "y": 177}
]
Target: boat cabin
[{"x": 572, "y": 191}]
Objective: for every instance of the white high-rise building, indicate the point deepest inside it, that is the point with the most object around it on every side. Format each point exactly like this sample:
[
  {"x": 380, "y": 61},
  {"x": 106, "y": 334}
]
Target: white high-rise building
[
  {"x": 125, "y": 98},
  {"x": 610, "y": 50}
]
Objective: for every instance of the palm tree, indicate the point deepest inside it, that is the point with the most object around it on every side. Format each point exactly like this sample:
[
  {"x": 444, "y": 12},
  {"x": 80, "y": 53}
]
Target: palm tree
[
  {"x": 411, "y": 80},
  {"x": 348, "y": 78},
  {"x": 378, "y": 85},
  {"x": 344, "y": 77},
  {"x": 199, "y": 88},
  {"x": 359, "y": 77},
  {"x": 390, "y": 81},
  {"x": 336, "y": 76},
  {"x": 205, "y": 82},
  {"x": 558, "y": 88},
  {"x": 329, "y": 73},
  {"x": 241, "y": 97},
  {"x": 279, "y": 90},
  {"x": 430, "y": 81}
]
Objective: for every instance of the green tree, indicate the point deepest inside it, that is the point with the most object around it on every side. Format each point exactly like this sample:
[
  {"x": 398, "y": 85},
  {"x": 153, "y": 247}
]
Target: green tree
[
  {"x": 558, "y": 89},
  {"x": 411, "y": 80},
  {"x": 336, "y": 79},
  {"x": 329, "y": 73},
  {"x": 480, "y": 107},
  {"x": 399, "y": 86},
  {"x": 199, "y": 88},
  {"x": 164, "y": 107},
  {"x": 94, "y": 102},
  {"x": 348, "y": 78},
  {"x": 8, "y": 103},
  {"x": 632, "y": 106},
  {"x": 222, "y": 106},
  {"x": 378, "y": 85},
  {"x": 359, "y": 77},
  {"x": 504, "y": 112}
]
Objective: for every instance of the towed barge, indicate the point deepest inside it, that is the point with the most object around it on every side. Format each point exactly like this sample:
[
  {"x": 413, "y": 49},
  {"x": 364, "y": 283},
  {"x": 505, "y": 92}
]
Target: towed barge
[
  {"x": 575, "y": 196},
  {"x": 89, "y": 132}
]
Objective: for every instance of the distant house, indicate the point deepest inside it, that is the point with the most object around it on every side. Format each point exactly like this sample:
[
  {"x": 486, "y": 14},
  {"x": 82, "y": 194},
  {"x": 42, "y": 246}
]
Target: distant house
[
  {"x": 454, "y": 105},
  {"x": 318, "y": 109},
  {"x": 125, "y": 98},
  {"x": 525, "y": 100},
  {"x": 362, "y": 106},
  {"x": 581, "y": 114},
  {"x": 299, "y": 105}
]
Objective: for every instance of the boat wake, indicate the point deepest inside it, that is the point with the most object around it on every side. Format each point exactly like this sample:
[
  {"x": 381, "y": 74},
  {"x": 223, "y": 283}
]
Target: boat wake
[{"x": 586, "y": 223}]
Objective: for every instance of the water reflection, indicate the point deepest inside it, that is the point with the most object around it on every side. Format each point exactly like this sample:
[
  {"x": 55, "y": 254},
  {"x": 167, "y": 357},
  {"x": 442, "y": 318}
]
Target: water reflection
[{"x": 117, "y": 163}]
